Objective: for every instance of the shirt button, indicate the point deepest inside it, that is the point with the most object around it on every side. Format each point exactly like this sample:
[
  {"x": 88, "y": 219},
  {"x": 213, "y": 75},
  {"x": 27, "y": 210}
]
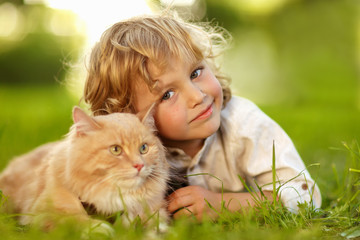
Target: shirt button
[{"x": 304, "y": 186}]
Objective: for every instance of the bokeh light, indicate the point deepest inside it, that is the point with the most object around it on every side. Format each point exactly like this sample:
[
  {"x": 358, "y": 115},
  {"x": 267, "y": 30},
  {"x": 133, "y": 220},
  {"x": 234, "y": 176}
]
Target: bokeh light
[
  {"x": 93, "y": 18},
  {"x": 99, "y": 15},
  {"x": 11, "y": 21}
]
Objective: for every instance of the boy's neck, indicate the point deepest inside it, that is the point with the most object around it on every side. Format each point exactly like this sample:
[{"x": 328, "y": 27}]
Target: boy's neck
[{"x": 190, "y": 147}]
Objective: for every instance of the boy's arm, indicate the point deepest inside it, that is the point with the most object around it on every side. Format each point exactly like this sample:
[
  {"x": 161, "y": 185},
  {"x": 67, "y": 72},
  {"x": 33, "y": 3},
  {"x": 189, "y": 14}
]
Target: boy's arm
[{"x": 190, "y": 200}]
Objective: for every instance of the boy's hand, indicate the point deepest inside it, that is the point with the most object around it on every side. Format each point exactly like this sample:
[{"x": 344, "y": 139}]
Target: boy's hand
[{"x": 190, "y": 200}]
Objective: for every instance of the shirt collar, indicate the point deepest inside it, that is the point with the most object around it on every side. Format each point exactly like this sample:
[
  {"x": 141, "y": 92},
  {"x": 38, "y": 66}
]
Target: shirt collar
[{"x": 179, "y": 159}]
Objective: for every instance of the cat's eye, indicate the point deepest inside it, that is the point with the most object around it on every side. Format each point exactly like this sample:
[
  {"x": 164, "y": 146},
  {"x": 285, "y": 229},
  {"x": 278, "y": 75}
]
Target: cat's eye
[
  {"x": 115, "y": 150},
  {"x": 144, "y": 148}
]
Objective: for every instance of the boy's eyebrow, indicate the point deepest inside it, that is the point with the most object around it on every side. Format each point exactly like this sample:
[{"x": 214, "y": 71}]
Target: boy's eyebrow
[
  {"x": 195, "y": 64},
  {"x": 158, "y": 85},
  {"x": 157, "y": 88}
]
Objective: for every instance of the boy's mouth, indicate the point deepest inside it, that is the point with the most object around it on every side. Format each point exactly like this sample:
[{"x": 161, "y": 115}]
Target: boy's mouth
[{"x": 204, "y": 114}]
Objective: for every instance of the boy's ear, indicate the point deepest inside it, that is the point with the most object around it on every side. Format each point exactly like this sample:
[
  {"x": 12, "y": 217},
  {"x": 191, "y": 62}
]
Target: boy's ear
[
  {"x": 83, "y": 122},
  {"x": 148, "y": 118}
]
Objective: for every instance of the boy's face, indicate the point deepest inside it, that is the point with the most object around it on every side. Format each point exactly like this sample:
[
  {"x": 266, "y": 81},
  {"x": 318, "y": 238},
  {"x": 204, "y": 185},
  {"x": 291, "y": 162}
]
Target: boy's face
[{"x": 191, "y": 101}]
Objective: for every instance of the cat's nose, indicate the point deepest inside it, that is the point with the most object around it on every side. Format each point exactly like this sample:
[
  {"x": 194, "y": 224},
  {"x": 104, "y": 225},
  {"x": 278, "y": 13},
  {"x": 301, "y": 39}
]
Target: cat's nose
[{"x": 138, "y": 166}]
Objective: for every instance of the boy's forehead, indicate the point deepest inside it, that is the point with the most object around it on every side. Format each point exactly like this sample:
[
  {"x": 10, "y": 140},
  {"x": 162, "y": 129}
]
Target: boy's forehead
[
  {"x": 158, "y": 73},
  {"x": 144, "y": 98},
  {"x": 146, "y": 95},
  {"x": 155, "y": 69}
]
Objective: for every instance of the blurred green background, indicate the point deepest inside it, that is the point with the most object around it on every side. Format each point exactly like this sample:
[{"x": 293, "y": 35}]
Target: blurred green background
[{"x": 297, "y": 59}]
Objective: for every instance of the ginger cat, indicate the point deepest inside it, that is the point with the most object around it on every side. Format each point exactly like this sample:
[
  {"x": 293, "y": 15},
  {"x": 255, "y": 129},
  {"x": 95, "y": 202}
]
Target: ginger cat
[{"x": 113, "y": 163}]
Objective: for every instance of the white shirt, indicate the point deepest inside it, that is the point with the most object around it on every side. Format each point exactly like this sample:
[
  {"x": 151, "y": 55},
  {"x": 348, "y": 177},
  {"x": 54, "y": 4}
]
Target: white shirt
[{"x": 243, "y": 146}]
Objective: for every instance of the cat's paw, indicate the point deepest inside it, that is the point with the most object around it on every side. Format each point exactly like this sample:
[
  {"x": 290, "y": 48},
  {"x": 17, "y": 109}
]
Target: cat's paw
[
  {"x": 155, "y": 233},
  {"x": 163, "y": 227},
  {"x": 99, "y": 229}
]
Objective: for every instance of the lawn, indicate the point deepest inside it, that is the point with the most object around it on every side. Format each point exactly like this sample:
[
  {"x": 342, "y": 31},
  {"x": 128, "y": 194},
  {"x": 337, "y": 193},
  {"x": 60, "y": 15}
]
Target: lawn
[
  {"x": 34, "y": 115},
  {"x": 299, "y": 64}
]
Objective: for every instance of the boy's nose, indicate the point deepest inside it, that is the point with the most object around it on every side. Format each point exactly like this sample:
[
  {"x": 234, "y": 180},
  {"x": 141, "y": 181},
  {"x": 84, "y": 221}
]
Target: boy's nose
[{"x": 195, "y": 95}]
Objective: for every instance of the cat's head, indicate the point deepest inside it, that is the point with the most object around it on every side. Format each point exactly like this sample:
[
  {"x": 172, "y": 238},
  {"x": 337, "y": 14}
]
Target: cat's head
[{"x": 118, "y": 151}]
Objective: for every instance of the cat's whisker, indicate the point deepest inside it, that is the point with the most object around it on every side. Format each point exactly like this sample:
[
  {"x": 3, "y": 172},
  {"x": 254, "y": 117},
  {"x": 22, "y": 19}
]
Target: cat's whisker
[
  {"x": 158, "y": 176},
  {"x": 109, "y": 177},
  {"x": 105, "y": 179}
]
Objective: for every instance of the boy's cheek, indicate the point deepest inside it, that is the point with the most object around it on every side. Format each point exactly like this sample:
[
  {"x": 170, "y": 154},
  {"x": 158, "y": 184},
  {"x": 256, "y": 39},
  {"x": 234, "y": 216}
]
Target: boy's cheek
[
  {"x": 217, "y": 93},
  {"x": 218, "y": 88},
  {"x": 213, "y": 87},
  {"x": 170, "y": 121}
]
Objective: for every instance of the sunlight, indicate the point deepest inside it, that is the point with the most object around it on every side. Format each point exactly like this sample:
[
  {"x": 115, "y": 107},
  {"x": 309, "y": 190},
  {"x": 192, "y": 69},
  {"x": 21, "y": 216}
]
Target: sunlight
[
  {"x": 10, "y": 20},
  {"x": 99, "y": 15},
  {"x": 94, "y": 17},
  {"x": 258, "y": 7},
  {"x": 185, "y": 3}
]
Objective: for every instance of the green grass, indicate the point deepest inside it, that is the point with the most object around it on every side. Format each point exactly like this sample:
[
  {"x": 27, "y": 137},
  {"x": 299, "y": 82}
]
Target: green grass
[
  {"x": 31, "y": 116},
  {"x": 34, "y": 115}
]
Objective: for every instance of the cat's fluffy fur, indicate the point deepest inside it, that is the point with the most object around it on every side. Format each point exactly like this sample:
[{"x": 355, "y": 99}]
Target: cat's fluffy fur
[{"x": 102, "y": 162}]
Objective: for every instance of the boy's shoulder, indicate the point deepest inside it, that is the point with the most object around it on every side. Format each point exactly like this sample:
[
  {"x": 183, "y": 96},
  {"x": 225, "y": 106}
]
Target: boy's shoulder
[
  {"x": 242, "y": 114},
  {"x": 239, "y": 105}
]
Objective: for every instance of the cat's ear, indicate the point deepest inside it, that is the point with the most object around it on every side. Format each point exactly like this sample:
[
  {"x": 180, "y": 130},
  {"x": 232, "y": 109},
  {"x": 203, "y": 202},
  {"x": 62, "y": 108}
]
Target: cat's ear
[
  {"x": 148, "y": 118},
  {"x": 83, "y": 122}
]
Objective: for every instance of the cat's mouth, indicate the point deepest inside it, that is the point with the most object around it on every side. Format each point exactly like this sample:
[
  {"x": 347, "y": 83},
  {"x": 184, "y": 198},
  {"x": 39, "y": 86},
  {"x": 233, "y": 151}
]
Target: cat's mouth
[
  {"x": 135, "y": 179},
  {"x": 142, "y": 176}
]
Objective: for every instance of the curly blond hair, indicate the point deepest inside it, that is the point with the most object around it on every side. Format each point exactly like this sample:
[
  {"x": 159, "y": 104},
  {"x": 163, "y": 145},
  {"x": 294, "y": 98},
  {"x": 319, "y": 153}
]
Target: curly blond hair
[{"x": 120, "y": 58}]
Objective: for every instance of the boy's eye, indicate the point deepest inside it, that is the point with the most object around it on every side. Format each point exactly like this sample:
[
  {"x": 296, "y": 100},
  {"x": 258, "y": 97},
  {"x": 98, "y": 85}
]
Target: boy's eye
[
  {"x": 168, "y": 95},
  {"x": 195, "y": 74}
]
